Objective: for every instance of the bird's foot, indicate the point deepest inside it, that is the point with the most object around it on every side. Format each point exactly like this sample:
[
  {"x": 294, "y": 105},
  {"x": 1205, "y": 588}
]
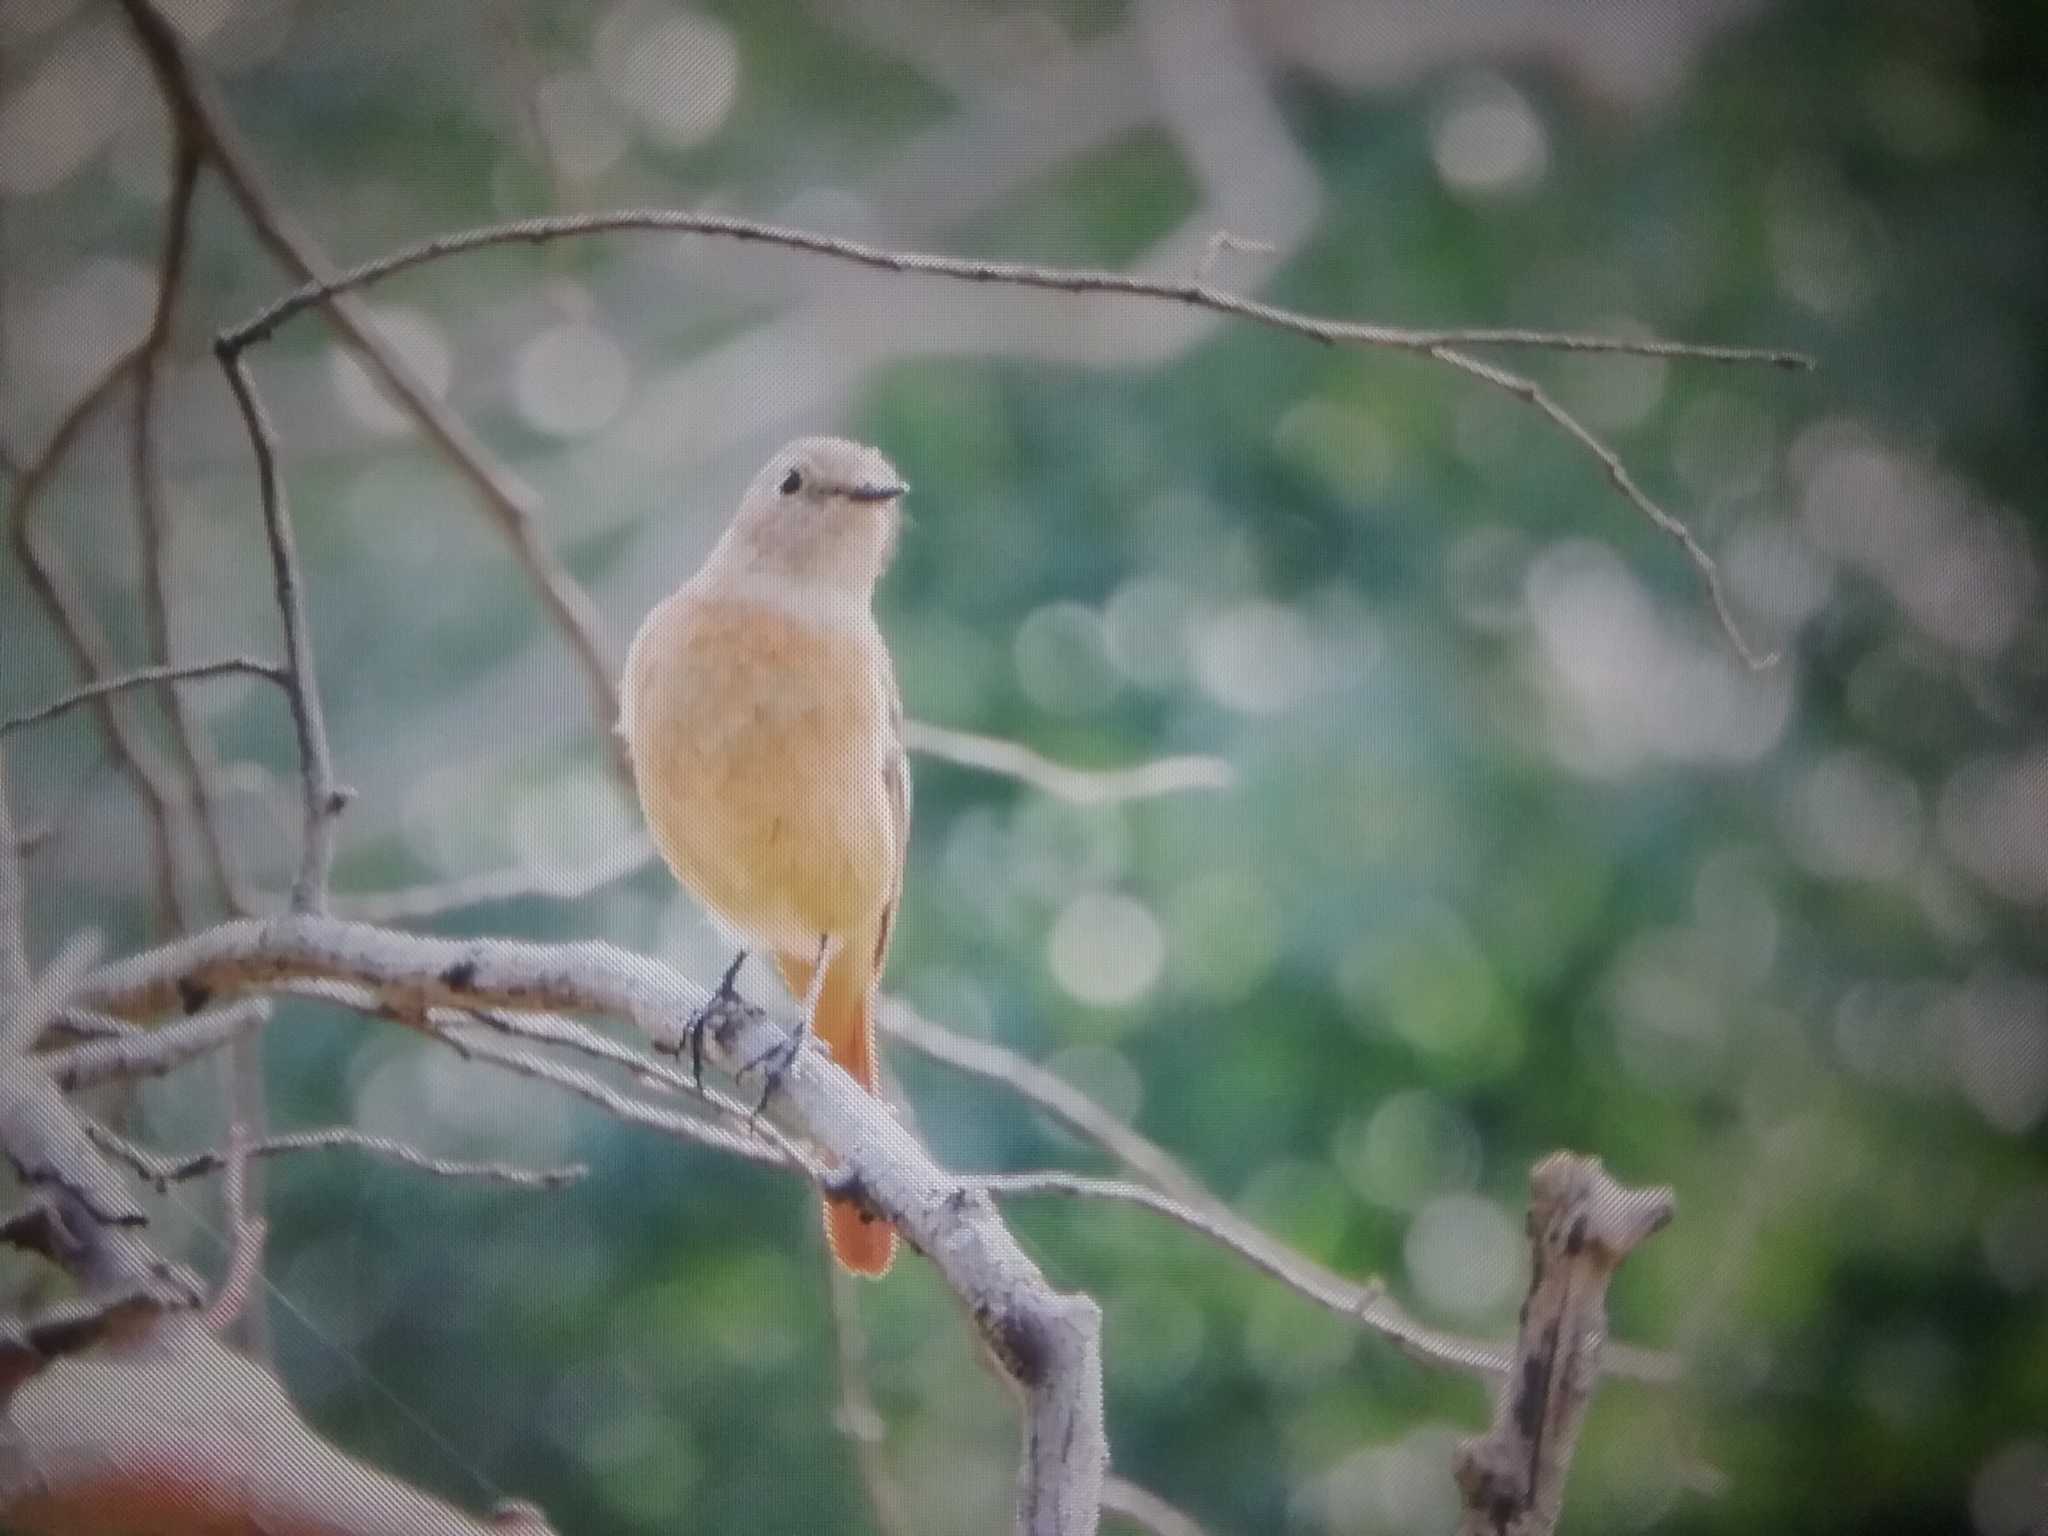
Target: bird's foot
[
  {"x": 693, "y": 1032},
  {"x": 777, "y": 1059}
]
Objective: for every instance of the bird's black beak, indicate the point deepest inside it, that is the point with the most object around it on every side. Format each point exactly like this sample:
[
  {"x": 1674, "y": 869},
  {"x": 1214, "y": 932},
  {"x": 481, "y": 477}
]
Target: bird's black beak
[{"x": 876, "y": 492}]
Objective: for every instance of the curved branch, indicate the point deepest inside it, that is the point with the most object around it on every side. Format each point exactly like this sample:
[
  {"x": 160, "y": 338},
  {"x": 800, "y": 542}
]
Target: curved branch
[
  {"x": 1048, "y": 1343},
  {"x": 1194, "y": 293}
]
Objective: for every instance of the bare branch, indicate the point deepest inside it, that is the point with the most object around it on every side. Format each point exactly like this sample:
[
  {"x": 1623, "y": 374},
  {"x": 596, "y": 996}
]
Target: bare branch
[
  {"x": 1533, "y": 394},
  {"x": 622, "y": 1107},
  {"x": 1078, "y": 786},
  {"x": 1050, "y": 1092},
  {"x": 163, "y": 1171},
  {"x": 322, "y": 799},
  {"x": 1010, "y": 274},
  {"x": 155, "y": 1053},
  {"x": 510, "y": 502},
  {"x": 1582, "y": 1224},
  {"x": 458, "y": 1028},
  {"x": 1366, "y": 1305},
  {"x": 1048, "y": 1343},
  {"x": 144, "y": 677},
  {"x": 1145, "y": 1509},
  {"x": 189, "y": 737},
  {"x": 56, "y": 588}
]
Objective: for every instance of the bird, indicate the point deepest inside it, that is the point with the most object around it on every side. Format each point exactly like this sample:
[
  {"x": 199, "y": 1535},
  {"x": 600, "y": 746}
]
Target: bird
[{"x": 761, "y": 713}]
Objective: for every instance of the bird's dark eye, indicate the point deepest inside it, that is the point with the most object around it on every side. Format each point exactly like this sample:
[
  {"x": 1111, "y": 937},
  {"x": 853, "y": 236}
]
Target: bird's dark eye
[{"x": 792, "y": 482}]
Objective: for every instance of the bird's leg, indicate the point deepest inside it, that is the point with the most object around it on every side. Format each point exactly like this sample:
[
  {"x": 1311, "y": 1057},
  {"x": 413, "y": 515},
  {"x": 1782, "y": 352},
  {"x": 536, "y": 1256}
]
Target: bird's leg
[
  {"x": 781, "y": 1056},
  {"x": 701, "y": 1019}
]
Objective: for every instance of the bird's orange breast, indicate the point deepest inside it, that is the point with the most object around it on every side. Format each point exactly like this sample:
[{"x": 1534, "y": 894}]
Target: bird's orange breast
[{"x": 760, "y": 741}]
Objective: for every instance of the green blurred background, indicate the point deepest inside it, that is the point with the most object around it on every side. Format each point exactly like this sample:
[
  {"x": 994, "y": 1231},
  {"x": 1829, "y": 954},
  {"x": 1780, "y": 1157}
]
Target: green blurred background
[{"x": 1518, "y": 856}]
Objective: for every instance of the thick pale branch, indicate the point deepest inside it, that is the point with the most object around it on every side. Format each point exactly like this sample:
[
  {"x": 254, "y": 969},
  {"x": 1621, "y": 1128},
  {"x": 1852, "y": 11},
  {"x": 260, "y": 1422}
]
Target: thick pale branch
[
  {"x": 1049, "y": 1343},
  {"x": 1582, "y": 1224}
]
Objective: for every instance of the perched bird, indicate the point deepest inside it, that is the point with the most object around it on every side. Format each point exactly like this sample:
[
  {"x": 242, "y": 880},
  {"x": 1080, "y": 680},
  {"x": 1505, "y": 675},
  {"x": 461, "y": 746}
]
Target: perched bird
[{"x": 766, "y": 733}]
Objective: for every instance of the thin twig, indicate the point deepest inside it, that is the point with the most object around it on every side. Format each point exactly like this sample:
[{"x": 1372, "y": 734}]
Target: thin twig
[
  {"x": 145, "y": 677},
  {"x": 858, "y": 1418},
  {"x": 1049, "y": 1092},
  {"x": 189, "y": 738},
  {"x": 1011, "y": 274},
  {"x": 553, "y": 1029},
  {"x": 323, "y": 800},
  {"x": 1078, "y": 786},
  {"x": 1367, "y": 1305},
  {"x": 56, "y": 588},
  {"x": 457, "y": 1029},
  {"x": 163, "y": 1171},
  {"x": 1532, "y": 393},
  {"x": 623, "y": 1107}
]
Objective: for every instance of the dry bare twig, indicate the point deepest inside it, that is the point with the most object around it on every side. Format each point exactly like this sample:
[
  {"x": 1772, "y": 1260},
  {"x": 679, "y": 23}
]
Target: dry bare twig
[
  {"x": 1170, "y": 1191},
  {"x": 163, "y": 1171},
  {"x": 322, "y": 799},
  {"x": 190, "y": 741},
  {"x": 143, "y": 677},
  {"x": 1442, "y": 345}
]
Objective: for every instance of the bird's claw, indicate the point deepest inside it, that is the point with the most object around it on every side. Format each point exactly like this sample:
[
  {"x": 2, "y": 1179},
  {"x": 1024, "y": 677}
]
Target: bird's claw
[
  {"x": 693, "y": 1031},
  {"x": 778, "y": 1059}
]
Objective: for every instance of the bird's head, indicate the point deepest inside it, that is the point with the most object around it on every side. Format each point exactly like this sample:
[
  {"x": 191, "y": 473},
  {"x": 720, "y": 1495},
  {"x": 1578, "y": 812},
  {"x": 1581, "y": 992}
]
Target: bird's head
[{"x": 823, "y": 513}]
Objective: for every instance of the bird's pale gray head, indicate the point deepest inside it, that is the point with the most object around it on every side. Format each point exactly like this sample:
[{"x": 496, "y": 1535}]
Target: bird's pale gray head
[{"x": 823, "y": 511}]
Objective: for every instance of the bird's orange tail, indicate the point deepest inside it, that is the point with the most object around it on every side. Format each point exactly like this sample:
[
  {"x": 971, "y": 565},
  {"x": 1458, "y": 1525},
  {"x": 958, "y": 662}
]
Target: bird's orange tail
[{"x": 845, "y": 1021}]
